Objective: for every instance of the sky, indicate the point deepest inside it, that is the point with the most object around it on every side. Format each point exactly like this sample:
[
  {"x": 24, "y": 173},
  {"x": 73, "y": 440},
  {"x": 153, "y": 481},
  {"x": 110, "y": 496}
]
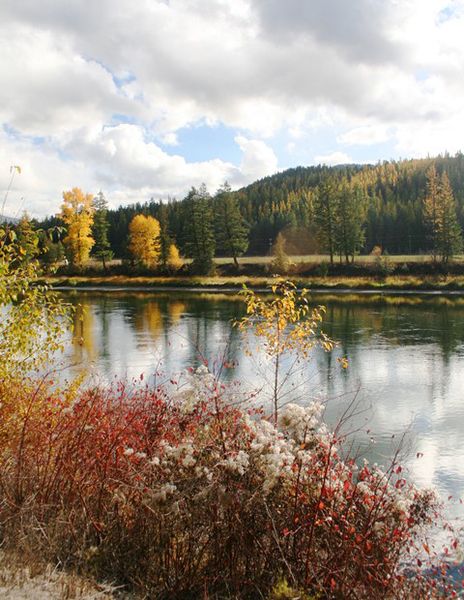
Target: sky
[{"x": 146, "y": 99}]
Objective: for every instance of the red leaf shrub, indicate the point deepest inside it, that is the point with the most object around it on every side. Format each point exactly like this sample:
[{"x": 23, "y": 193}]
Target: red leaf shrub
[{"x": 186, "y": 497}]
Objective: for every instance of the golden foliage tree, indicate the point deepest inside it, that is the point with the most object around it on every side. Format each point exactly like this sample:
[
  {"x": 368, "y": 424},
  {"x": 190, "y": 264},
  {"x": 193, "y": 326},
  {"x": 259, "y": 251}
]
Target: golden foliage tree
[
  {"x": 174, "y": 261},
  {"x": 144, "y": 240},
  {"x": 77, "y": 213}
]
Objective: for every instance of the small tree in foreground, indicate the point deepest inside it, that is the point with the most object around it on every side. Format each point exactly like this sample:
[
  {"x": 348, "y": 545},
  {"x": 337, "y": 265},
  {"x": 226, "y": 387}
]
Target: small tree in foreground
[{"x": 285, "y": 324}]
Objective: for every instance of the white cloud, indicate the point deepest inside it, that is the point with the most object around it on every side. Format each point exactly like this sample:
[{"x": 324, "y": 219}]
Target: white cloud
[
  {"x": 120, "y": 160},
  {"x": 334, "y": 158},
  {"x": 170, "y": 139},
  {"x": 258, "y": 159},
  {"x": 368, "y": 70},
  {"x": 365, "y": 135}
]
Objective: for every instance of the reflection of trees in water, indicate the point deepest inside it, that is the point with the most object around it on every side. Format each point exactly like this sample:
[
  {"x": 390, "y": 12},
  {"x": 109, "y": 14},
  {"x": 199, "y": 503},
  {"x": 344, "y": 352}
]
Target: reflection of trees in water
[
  {"x": 399, "y": 321},
  {"x": 426, "y": 332},
  {"x": 146, "y": 318},
  {"x": 83, "y": 334},
  {"x": 176, "y": 309},
  {"x": 209, "y": 332},
  {"x": 152, "y": 319},
  {"x": 105, "y": 307},
  {"x": 202, "y": 323}
]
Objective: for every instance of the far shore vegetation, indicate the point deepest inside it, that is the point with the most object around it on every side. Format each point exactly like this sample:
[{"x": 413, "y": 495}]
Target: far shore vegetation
[{"x": 395, "y": 225}]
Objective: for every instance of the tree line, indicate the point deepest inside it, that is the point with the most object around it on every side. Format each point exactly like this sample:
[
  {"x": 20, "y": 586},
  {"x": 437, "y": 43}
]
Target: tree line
[
  {"x": 396, "y": 207},
  {"x": 82, "y": 230}
]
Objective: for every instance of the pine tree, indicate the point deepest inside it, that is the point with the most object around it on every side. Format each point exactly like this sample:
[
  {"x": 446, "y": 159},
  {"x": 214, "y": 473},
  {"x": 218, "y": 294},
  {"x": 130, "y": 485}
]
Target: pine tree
[
  {"x": 440, "y": 215},
  {"x": 165, "y": 239},
  {"x": 449, "y": 232},
  {"x": 77, "y": 214},
  {"x": 231, "y": 229},
  {"x": 350, "y": 217},
  {"x": 102, "y": 249},
  {"x": 325, "y": 216},
  {"x": 199, "y": 230},
  {"x": 430, "y": 209}
]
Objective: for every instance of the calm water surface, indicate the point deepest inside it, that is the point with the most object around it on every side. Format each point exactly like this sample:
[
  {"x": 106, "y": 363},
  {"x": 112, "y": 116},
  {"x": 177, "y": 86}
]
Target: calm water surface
[{"x": 406, "y": 357}]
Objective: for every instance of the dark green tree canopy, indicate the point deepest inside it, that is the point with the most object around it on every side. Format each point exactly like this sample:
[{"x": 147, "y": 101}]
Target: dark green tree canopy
[
  {"x": 231, "y": 228},
  {"x": 102, "y": 248}
]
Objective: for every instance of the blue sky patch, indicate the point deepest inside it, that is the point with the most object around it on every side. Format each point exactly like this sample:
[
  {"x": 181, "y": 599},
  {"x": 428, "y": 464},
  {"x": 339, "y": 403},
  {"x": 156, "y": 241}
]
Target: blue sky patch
[{"x": 201, "y": 143}]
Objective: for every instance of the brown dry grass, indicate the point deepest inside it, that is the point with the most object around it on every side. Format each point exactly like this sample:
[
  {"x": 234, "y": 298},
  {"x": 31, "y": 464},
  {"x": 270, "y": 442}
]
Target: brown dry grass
[
  {"x": 393, "y": 282},
  {"x": 28, "y": 578}
]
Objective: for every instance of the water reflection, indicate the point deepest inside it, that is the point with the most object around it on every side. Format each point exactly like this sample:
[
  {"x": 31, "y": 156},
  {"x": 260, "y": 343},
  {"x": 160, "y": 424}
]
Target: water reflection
[{"x": 406, "y": 358}]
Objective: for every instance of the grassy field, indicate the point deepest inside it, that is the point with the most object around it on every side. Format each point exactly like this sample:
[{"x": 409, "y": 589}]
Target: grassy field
[
  {"x": 310, "y": 258},
  {"x": 319, "y": 258}
]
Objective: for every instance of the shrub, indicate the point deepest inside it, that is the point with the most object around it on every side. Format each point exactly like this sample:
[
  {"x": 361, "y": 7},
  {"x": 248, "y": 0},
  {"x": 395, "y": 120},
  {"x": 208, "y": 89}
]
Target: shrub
[
  {"x": 187, "y": 495},
  {"x": 384, "y": 265},
  {"x": 281, "y": 263},
  {"x": 322, "y": 270}
]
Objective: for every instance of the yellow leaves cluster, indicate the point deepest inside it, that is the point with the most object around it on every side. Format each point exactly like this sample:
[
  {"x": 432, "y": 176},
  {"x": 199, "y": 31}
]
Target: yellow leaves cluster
[
  {"x": 77, "y": 213},
  {"x": 286, "y": 322},
  {"x": 174, "y": 261},
  {"x": 33, "y": 318},
  {"x": 144, "y": 244}
]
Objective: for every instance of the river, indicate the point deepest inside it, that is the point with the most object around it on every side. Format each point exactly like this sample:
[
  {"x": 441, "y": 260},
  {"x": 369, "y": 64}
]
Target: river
[{"x": 405, "y": 374}]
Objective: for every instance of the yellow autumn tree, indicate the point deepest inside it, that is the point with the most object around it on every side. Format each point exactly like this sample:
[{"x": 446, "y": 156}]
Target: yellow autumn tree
[
  {"x": 144, "y": 240},
  {"x": 174, "y": 261},
  {"x": 77, "y": 213}
]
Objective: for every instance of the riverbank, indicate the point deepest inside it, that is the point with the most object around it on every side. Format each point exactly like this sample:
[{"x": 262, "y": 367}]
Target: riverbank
[{"x": 392, "y": 283}]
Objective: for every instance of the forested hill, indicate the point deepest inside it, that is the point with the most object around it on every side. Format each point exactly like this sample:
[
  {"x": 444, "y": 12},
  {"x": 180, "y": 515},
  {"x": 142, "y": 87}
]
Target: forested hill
[
  {"x": 395, "y": 193},
  {"x": 389, "y": 207}
]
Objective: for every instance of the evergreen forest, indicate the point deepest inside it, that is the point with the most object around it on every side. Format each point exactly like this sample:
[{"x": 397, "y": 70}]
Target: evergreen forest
[{"x": 342, "y": 211}]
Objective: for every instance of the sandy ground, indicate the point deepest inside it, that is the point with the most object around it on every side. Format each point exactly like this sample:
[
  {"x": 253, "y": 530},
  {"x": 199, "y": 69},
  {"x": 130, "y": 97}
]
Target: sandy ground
[{"x": 19, "y": 583}]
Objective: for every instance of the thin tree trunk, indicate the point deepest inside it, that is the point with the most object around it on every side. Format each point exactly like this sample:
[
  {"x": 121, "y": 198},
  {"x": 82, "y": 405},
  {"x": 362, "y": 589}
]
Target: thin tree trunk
[{"x": 276, "y": 388}]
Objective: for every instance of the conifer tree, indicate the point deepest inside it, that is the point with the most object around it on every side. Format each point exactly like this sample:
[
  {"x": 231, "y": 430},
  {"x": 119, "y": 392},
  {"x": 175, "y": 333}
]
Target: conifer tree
[
  {"x": 77, "y": 213},
  {"x": 231, "y": 229},
  {"x": 350, "y": 216},
  {"x": 199, "y": 230},
  {"x": 280, "y": 263},
  {"x": 325, "y": 216},
  {"x": 449, "y": 233},
  {"x": 440, "y": 214},
  {"x": 430, "y": 208},
  {"x": 102, "y": 249},
  {"x": 165, "y": 239}
]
